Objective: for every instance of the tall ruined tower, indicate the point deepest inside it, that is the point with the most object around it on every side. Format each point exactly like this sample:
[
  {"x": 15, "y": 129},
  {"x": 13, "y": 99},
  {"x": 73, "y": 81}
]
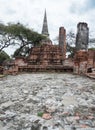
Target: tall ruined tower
[
  {"x": 45, "y": 26},
  {"x": 82, "y": 36},
  {"x": 62, "y": 41}
]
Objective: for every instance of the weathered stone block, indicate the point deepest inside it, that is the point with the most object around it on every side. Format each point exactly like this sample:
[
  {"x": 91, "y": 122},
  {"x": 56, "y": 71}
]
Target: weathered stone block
[{"x": 82, "y": 36}]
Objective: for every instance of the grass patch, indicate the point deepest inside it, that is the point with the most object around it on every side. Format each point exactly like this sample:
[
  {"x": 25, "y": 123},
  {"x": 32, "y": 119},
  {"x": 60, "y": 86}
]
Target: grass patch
[{"x": 40, "y": 114}]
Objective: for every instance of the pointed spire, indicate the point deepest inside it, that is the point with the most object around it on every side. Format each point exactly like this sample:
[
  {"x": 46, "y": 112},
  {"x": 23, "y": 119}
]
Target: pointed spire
[{"x": 45, "y": 25}]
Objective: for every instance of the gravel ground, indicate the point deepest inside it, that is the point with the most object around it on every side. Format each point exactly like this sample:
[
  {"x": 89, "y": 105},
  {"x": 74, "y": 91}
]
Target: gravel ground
[{"x": 47, "y": 101}]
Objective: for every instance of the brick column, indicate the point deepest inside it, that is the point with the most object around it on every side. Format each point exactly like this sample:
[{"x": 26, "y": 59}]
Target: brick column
[{"x": 62, "y": 41}]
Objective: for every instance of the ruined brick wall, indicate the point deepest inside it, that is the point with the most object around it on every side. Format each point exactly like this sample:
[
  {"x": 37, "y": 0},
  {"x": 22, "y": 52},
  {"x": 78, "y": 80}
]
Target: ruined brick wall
[
  {"x": 68, "y": 62},
  {"x": 91, "y": 58},
  {"x": 1, "y": 70},
  {"x": 45, "y": 55},
  {"x": 80, "y": 62},
  {"x": 94, "y": 59},
  {"x": 11, "y": 69},
  {"x": 82, "y": 36},
  {"x": 62, "y": 41},
  {"x": 20, "y": 61},
  {"x": 83, "y": 61}
]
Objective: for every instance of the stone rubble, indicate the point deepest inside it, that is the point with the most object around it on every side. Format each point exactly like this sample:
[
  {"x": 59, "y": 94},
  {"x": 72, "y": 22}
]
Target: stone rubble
[{"x": 47, "y": 101}]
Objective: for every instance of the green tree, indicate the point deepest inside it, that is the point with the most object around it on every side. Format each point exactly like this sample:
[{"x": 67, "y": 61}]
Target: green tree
[
  {"x": 22, "y": 52},
  {"x": 18, "y": 34},
  {"x": 70, "y": 40},
  {"x": 71, "y": 50},
  {"x": 3, "y": 56}
]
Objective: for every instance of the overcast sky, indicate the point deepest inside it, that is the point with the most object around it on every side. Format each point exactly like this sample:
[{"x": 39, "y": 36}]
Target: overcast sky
[{"x": 67, "y": 13}]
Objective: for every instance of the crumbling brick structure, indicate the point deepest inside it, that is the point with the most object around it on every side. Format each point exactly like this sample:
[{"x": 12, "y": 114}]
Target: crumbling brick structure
[
  {"x": 1, "y": 70},
  {"x": 82, "y": 36},
  {"x": 49, "y": 57},
  {"x": 10, "y": 68},
  {"x": 20, "y": 61},
  {"x": 45, "y": 55},
  {"x": 44, "y": 58},
  {"x": 84, "y": 61},
  {"x": 80, "y": 62},
  {"x": 62, "y": 41},
  {"x": 91, "y": 58}
]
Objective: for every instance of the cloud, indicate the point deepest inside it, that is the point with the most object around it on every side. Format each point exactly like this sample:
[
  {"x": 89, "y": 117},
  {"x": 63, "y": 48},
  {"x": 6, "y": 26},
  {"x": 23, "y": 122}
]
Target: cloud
[
  {"x": 82, "y": 6},
  {"x": 67, "y": 13},
  {"x": 78, "y": 7},
  {"x": 90, "y": 4}
]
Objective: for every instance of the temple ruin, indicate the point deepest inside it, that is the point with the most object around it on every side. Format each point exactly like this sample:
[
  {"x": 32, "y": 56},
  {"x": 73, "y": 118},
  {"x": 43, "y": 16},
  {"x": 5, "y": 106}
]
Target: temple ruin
[
  {"x": 49, "y": 57},
  {"x": 84, "y": 60}
]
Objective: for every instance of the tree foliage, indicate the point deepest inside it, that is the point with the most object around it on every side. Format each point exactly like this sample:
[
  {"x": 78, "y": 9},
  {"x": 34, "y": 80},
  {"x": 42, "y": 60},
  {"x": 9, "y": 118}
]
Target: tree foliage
[
  {"x": 13, "y": 34},
  {"x": 70, "y": 41},
  {"x": 3, "y": 56},
  {"x": 71, "y": 50},
  {"x": 22, "y": 52}
]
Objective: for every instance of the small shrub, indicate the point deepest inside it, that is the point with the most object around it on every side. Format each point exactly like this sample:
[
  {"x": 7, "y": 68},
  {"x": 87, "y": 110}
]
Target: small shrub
[{"x": 40, "y": 114}]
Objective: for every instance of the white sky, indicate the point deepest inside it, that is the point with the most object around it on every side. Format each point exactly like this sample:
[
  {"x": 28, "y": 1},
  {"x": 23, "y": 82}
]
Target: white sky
[{"x": 67, "y": 13}]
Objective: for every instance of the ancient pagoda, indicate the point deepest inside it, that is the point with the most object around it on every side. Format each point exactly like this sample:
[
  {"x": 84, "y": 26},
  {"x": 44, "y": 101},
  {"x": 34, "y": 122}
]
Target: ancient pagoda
[{"x": 45, "y": 26}]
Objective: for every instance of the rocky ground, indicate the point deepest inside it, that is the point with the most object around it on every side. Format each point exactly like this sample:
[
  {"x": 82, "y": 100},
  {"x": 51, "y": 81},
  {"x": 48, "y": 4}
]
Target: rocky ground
[{"x": 47, "y": 101}]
